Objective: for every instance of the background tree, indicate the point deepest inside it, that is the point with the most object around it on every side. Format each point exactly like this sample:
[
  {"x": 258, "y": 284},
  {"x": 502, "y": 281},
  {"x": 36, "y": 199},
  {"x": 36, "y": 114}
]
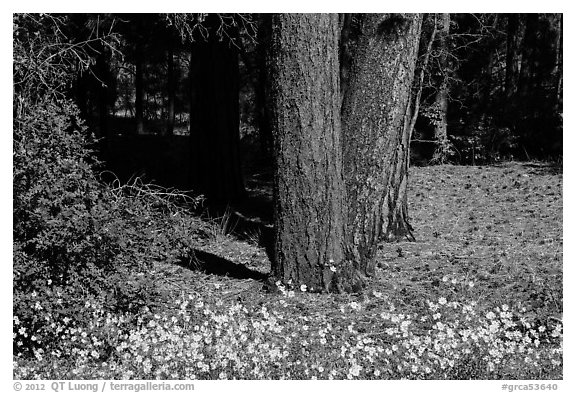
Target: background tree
[
  {"x": 214, "y": 115},
  {"x": 442, "y": 148},
  {"x": 506, "y": 92},
  {"x": 375, "y": 118}
]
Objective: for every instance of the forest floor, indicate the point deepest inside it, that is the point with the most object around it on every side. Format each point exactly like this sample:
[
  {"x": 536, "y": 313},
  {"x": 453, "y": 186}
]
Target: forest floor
[
  {"x": 487, "y": 236},
  {"x": 478, "y": 295}
]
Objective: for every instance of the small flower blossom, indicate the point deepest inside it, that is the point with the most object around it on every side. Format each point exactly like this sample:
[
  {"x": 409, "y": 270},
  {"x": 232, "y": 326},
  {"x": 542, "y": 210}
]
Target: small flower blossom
[{"x": 355, "y": 370}]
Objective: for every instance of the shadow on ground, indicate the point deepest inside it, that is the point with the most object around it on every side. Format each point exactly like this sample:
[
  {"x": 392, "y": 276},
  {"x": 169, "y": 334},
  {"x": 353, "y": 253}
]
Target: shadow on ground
[{"x": 214, "y": 264}]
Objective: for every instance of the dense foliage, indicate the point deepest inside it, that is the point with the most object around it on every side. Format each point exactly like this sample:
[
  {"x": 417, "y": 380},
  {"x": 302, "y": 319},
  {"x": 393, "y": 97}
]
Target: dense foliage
[{"x": 503, "y": 74}]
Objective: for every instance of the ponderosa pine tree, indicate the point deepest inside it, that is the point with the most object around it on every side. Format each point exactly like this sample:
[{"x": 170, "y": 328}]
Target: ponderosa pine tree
[
  {"x": 309, "y": 190},
  {"x": 375, "y": 120}
]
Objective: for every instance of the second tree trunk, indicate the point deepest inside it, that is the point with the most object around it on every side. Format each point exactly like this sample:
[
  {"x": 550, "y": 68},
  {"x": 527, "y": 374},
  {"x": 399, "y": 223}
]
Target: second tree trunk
[{"x": 375, "y": 125}]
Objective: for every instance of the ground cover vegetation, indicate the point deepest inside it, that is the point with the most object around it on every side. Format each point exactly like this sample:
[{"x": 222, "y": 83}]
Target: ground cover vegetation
[{"x": 479, "y": 295}]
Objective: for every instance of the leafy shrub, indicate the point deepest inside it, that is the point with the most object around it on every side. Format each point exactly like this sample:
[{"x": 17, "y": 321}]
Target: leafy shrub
[
  {"x": 59, "y": 242},
  {"x": 76, "y": 238}
]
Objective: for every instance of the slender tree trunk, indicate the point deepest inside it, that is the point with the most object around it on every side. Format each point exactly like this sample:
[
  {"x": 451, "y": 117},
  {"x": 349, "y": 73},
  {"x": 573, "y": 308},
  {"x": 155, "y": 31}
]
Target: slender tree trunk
[
  {"x": 512, "y": 55},
  {"x": 139, "y": 105},
  {"x": 558, "y": 68},
  {"x": 171, "y": 91},
  {"x": 529, "y": 42},
  {"x": 441, "y": 99},
  {"x": 308, "y": 183},
  {"x": 103, "y": 83},
  {"x": 101, "y": 68},
  {"x": 263, "y": 106},
  {"x": 215, "y": 120},
  {"x": 415, "y": 101},
  {"x": 375, "y": 120}
]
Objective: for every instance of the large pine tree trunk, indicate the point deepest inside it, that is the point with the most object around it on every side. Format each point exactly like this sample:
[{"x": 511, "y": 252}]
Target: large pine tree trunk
[
  {"x": 308, "y": 183},
  {"x": 215, "y": 120},
  {"x": 375, "y": 127}
]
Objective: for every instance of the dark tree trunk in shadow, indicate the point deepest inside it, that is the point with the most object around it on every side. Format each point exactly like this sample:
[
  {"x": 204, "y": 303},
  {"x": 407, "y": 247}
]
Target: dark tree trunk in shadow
[
  {"x": 171, "y": 91},
  {"x": 513, "y": 41},
  {"x": 558, "y": 68},
  {"x": 528, "y": 63},
  {"x": 139, "y": 104},
  {"x": 215, "y": 120},
  {"x": 104, "y": 86},
  {"x": 308, "y": 183},
  {"x": 263, "y": 106},
  {"x": 375, "y": 119}
]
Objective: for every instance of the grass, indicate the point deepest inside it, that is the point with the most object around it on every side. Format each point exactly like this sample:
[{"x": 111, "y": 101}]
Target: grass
[{"x": 478, "y": 295}]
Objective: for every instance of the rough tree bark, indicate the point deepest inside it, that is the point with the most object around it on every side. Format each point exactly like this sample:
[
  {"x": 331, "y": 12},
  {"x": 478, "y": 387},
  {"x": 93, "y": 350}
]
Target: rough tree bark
[
  {"x": 308, "y": 184},
  {"x": 375, "y": 120},
  {"x": 215, "y": 119}
]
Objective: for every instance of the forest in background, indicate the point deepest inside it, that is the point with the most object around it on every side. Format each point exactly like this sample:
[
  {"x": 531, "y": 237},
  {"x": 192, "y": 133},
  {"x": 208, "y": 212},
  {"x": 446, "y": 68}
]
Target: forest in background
[
  {"x": 111, "y": 109},
  {"x": 501, "y": 75},
  {"x": 488, "y": 86}
]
